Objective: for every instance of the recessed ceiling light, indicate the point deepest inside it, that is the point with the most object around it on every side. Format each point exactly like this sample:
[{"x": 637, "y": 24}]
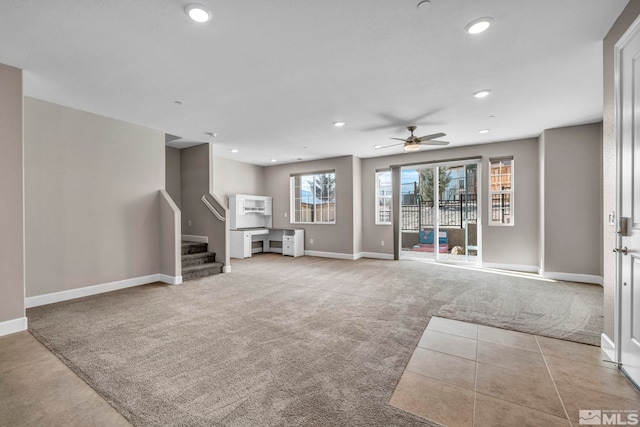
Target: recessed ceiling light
[
  {"x": 234, "y": 150},
  {"x": 211, "y": 134},
  {"x": 483, "y": 131},
  {"x": 492, "y": 117},
  {"x": 177, "y": 102},
  {"x": 424, "y": 4},
  {"x": 482, "y": 93},
  {"x": 479, "y": 25},
  {"x": 198, "y": 13},
  {"x": 339, "y": 124},
  {"x": 273, "y": 160},
  {"x": 375, "y": 147}
]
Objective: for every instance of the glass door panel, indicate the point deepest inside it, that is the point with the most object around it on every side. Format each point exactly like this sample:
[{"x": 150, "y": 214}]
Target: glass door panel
[
  {"x": 470, "y": 213},
  {"x": 439, "y": 212},
  {"x": 417, "y": 213}
]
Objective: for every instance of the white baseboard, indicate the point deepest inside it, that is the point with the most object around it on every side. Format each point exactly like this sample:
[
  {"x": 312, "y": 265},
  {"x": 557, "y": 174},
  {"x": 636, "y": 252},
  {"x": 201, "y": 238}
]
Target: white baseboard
[
  {"x": 570, "y": 277},
  {"x": 335, "y": 255},
  {"x": 374, "y": 255},
  {"x": 226, "y": 269},
  {"x": 12, "y": 326},
  {"x": 95, "y": 289},
  {"x": 170, "y": 280},
  {"x": 193, "y": 238},
  {"x": 511, "y": 267},
  {"x": 607, "y": 345}
]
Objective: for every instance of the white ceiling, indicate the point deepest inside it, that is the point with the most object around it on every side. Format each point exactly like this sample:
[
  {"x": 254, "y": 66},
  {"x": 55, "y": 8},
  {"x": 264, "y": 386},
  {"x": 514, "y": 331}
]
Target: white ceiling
[{"x": 271, "y": 77}]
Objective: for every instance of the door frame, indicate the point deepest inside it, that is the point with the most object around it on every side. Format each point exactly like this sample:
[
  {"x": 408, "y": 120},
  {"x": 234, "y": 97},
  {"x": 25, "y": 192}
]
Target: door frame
[
  {"x": 396, "y": 174},
  {"x": 633, "y": 30}
]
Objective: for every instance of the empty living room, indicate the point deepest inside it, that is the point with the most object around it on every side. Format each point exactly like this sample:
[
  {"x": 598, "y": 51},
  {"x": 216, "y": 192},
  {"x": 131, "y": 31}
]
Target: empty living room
[{"x": 362, "y": 213}]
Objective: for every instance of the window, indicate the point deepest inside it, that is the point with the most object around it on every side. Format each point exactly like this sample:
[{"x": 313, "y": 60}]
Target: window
[
  {"x": 313, "y": 198},
  {"x": 383, "y": 197},
  {"x": 501, "y": 191}
]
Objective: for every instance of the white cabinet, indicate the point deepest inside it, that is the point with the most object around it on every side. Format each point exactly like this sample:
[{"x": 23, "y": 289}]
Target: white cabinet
[
  {"x": 293, "y": 242},
  {"x": 239, "y": 207},
  {"x": 240, "y": 244},
  {"x": 243, "y": 241},
  {"x": 247, "y": 211}
]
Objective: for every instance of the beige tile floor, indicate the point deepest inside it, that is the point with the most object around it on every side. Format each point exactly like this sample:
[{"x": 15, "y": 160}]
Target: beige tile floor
[
  {"x": 37, "y": 389},
  {"x": 462, "y": 374}
]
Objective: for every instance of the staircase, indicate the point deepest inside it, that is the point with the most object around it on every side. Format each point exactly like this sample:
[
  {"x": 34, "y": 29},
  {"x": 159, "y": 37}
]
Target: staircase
[{"x": 197, "y": 262}]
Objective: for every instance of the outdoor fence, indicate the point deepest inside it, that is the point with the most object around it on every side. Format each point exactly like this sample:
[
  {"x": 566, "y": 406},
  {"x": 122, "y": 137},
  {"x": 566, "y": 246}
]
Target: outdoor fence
[{"x": 451, "y": 213}]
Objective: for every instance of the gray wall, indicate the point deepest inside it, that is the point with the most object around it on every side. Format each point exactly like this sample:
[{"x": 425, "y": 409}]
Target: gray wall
[
  {"x": 516, "y": 245},
  {"x": 335, "y": 238},
  {"x": 197, "y": 219},
  {"x": 172, "y": 173},
  {"x": 630, "y": 13},
  {"x": 91, "y": 194},
  {"x": 11, "y": 188},
  {"x": 572, "y": 201},
  {"x": 232, "y": 177},
  {"x": 194, "y": 180}
]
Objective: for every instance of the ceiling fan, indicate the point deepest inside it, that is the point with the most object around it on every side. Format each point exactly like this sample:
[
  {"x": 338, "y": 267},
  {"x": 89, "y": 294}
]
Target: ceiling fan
[{"x": 413, "y": 143}]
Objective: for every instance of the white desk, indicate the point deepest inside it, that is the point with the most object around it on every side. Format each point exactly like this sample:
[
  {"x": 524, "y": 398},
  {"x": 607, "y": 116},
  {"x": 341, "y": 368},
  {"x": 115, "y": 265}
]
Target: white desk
[{"x": 244, "y": 242}]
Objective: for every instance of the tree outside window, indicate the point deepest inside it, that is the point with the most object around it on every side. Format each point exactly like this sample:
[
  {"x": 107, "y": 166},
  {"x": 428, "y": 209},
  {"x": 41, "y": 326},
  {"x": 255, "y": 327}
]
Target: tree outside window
[{"x": 313, "y": 198}]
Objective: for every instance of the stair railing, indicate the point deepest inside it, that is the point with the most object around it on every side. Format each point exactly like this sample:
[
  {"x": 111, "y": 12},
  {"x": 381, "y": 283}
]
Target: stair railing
[
  {"x": 212, "y": 209},
  {"x": 218, "y": 231}
]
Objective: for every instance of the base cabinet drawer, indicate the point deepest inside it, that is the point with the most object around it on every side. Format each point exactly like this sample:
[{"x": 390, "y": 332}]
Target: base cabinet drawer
[{"x": 293, "y": 242}]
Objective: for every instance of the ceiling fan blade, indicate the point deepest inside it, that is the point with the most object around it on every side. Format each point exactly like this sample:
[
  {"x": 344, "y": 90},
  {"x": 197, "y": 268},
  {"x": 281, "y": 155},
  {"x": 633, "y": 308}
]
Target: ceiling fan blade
[
  {"x": 399, "y": 139},
  {"x": 431, "y": 142},
  {"x": 432, "y": 136},
  {"x": 392, "y": 145}
]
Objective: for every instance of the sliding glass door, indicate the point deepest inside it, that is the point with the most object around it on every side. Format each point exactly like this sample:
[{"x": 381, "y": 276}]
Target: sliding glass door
[{"x": 439, "y": 208}]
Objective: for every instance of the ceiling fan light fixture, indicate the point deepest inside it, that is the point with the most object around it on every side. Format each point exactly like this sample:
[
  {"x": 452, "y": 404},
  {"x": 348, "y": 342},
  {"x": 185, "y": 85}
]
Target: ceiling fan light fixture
[
  {"x": 412, "y": 147},
  {"x": 198, "y": 13},
  {"x": 479, "y": 25},
  {"x": 482, "y": 93}
]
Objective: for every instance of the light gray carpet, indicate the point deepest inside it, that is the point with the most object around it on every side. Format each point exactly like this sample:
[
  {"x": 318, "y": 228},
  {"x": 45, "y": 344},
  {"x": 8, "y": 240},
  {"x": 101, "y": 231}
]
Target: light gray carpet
[{"x": 289, "y": 341}]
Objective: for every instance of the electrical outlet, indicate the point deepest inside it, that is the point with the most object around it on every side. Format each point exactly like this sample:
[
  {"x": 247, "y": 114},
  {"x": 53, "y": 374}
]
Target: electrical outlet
[
  {"x": 189, "y": 223},
  {"x": 286, "y": 214},
  {"x": 381, "y": 242},
  {"x": 311, "y": 241}
]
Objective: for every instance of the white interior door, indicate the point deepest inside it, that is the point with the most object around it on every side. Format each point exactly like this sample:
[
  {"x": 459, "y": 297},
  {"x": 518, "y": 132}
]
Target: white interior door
[{"x": 628, "y": 241}]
